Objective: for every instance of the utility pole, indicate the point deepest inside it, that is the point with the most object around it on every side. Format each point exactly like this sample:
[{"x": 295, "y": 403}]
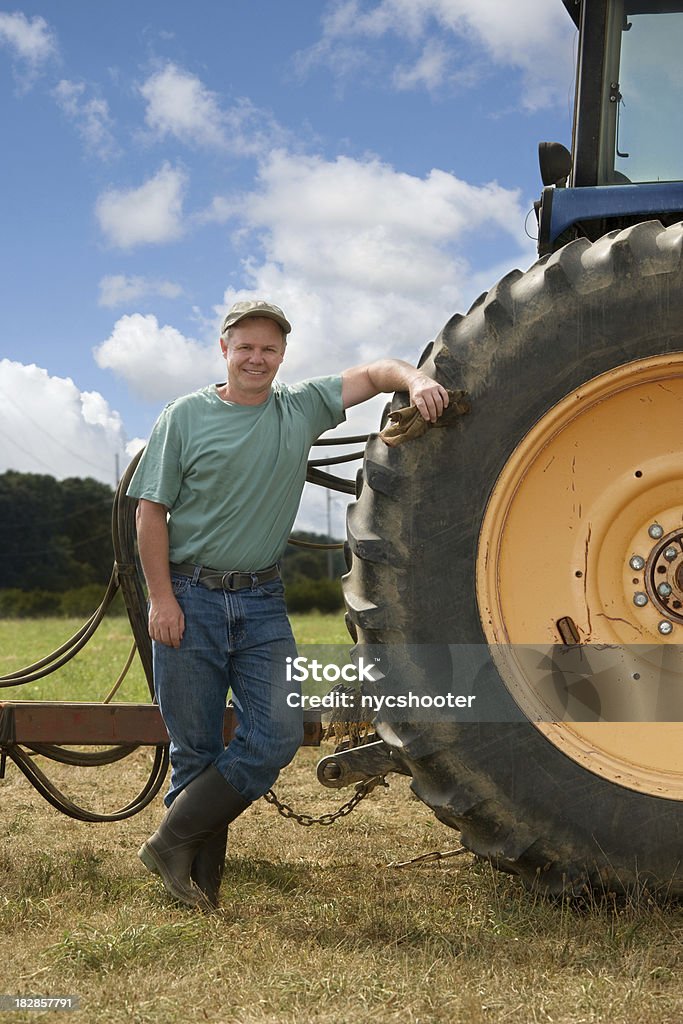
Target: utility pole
[{"x": 330, "y": 553}]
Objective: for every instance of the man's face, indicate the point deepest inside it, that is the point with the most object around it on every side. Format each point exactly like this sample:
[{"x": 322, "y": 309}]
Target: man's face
[{"x": 253, "y": 356}]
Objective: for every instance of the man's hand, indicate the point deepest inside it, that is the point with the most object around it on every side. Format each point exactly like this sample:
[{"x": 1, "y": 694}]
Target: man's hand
[
  {"x": 429, "y": 398},
  {"x": 408, "y": 423},
  {"x": 166, "y": 621},
  {"x": 386, "y": 375}
]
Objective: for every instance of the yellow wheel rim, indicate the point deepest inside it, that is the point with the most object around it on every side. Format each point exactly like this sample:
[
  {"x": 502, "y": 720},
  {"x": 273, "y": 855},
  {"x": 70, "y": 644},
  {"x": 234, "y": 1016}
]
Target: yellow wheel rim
[{"x": 582, "y": 544}]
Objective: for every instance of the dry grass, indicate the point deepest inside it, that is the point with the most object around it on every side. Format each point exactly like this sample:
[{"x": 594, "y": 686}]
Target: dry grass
[{"x": 314, "y": 926}]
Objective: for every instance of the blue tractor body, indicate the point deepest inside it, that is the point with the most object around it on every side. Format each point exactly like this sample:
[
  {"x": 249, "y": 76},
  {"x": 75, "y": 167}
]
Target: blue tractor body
[{"x": 626, "y": 163}]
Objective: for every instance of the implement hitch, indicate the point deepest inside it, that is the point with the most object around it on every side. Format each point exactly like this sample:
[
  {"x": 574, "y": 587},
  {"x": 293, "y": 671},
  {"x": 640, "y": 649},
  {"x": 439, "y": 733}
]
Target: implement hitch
[
  {"x": 30, "y": 728},
  {"x": 359, "y": 764}
]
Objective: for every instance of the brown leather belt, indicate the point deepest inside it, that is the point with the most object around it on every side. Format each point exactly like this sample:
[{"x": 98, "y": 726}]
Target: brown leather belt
[{"x": 214, "y": 579}]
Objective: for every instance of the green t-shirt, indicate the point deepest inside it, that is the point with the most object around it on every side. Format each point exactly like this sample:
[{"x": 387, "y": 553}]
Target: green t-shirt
[{"x": 232, "y": 475}]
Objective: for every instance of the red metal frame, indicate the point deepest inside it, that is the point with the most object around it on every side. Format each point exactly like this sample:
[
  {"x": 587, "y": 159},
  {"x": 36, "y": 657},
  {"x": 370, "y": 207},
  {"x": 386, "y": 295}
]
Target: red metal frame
[{"x": 61, "y": 722}]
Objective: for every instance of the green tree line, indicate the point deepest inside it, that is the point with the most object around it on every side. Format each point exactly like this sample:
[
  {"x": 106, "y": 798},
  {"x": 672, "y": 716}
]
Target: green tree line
[
  {"x": 56, "y": 550},
  {"x": 54, "y": 534}
]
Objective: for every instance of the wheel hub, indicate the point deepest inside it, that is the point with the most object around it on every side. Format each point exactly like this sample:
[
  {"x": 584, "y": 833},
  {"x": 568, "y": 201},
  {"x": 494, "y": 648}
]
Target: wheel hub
[
  {"x": 663, "y": 577},
  {"x": 581, "y": 549}
]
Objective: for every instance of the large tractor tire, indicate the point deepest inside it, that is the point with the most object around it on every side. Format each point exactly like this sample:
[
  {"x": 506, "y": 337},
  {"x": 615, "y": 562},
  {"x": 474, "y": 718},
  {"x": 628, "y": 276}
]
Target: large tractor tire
[{"x": 550, "y": 517}]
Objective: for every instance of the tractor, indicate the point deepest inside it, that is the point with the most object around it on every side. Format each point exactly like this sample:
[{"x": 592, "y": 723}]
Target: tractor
[
  {"x": 532, "y": 554},
  {"x": 519, "y": 573}
]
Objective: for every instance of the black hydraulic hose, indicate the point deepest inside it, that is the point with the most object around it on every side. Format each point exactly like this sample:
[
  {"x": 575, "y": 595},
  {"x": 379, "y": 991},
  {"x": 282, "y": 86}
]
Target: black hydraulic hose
[
  {"x": 316, "y": 476},
  {"x": 82, "y": 758},
  {"x": 68, "y": 650},
  {"x": 336, "y": 460},
  {"x": 125, "y": 575},
  {"x": 62, "y": 803},
  {"x": 66, "y": 646},
  {"x": 334, "y": 483},
  {"x": 356, "y": 439},
  {"x": 334, "y": 546},
  {"x": 128, "y": 574}
]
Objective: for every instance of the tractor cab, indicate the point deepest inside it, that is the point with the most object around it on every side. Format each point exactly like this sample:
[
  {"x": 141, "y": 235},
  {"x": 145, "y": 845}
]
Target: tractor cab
[{"x": 626, "y": 163}]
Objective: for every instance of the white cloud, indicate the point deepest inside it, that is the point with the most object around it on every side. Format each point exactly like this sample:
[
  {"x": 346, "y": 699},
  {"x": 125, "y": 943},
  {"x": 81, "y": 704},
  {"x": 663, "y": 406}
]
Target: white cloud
[
  {"x": 148, "y": 215},
  {"x": 119, "y": 290},
  {"x": 31, "y": 42},
  {"x": 158, "y": 363},
  {"x": 134, "y": 446},
  {"x": 90, "y": 116},
  {"x": 220, "y": 210},
  {"x": 180, "y": 105},
  {"x": 366, "y": 261},
  {"x": 530, "y": 36},
  {"x": 429, "y": 70},
  {"x": 49, "y": 426}
]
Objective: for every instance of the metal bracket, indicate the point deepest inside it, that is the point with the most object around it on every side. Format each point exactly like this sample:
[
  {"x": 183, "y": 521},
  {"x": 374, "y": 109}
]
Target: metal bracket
[{"x": 358, "y": 764}]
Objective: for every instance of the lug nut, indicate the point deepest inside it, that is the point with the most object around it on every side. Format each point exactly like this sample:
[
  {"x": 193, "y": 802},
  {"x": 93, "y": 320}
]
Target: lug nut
[
  {"x": 656, "y": 531},
  {"x": 670, "y": 553},
  {"x": 665, "y": 627},
  {"x": 637, "y": 563},
  {"x": 640, "y": 599},
  {"x": 664, "y": 590}
]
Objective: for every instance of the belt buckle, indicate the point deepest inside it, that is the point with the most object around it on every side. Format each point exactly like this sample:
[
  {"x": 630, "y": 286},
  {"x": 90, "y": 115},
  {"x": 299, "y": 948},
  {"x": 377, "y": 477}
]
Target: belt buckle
[{"x": 227, "y": 582}]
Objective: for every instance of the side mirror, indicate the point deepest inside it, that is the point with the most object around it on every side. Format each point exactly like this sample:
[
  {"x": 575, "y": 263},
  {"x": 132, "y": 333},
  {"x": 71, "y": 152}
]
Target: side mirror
[{"x": 555, "y": 162}]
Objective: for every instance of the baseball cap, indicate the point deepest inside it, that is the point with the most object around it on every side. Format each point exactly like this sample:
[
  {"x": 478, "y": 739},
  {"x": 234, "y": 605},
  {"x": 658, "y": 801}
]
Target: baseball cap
[{"x": 255, "y": 307}]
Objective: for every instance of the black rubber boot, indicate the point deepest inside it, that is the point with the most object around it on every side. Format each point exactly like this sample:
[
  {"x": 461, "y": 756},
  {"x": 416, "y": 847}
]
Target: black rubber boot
[
  {"x": 208, "y": 865},
  {"x": 206, "y": 806}
]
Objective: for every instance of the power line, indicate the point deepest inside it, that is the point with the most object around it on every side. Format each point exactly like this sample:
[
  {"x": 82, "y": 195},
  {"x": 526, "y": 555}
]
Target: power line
[
  {"x": 46, "y": 433},
  {"x": 100, "y": 505},
  {"x": 31, "y": 455},
  {"x": 14, "y": 554}
]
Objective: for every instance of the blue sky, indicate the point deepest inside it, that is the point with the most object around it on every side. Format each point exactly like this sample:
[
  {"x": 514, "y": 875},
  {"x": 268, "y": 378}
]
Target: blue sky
[{"x": 366, "y": 164}]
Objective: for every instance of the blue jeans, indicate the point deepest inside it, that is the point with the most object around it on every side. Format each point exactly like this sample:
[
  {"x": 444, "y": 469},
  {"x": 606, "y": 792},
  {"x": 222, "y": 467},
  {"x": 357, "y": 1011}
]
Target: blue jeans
[{"x": 239, "y": 640}]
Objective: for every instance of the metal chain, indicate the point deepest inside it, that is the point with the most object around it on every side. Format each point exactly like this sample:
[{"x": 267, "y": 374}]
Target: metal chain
[{"x": 363, "y": 789}]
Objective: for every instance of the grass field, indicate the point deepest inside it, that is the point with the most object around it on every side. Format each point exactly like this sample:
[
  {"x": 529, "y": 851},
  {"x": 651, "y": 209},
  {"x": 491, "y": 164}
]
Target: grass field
[{"x": 314, "y": 925}]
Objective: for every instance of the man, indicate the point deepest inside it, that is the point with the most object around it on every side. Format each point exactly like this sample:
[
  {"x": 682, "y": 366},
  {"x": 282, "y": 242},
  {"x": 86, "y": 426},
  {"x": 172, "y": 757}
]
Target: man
[{"x": 219, "y": 486}]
